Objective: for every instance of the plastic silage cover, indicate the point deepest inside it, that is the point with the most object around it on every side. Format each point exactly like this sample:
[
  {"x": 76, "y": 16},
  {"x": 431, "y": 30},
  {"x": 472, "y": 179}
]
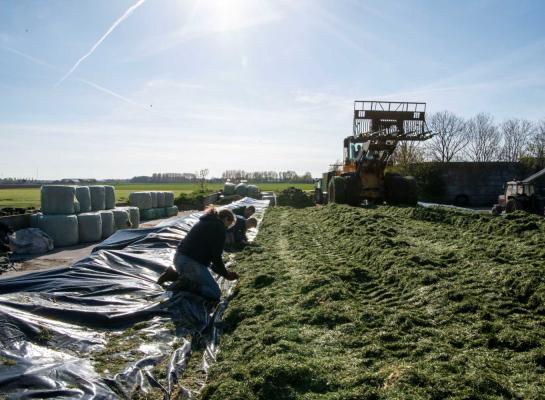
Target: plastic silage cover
[
  {"x": 169, "y": 199},
  {"x": 107, "y": 222},
  {"x": 109, "y": 197},
  {"x": 171, "y": 211},
  {"x": 229, "y": 189},
  {"x": 121, "y": 218},
  {"x": 154, "y": 199},
  {"x": 90, "y": 227},
  {"x": 160, "y": 199},
  {"x": 58, "y": 199},
  {"x": 102, "y": 328},
  {"x": 63, "y": 229},
  {"x": 241, "y": 189},
  {"x": 98, "y": 198},
  {"x": 30, "y": 241},
  {"x": 142, "y": 200},
  {"x": 83, "y": 194}
]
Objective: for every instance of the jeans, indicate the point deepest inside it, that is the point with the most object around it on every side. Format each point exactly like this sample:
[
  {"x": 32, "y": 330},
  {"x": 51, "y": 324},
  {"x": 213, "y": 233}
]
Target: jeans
[{"x": 199, "y": 274}]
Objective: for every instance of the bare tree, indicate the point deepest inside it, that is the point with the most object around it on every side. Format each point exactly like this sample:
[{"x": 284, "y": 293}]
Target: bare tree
[
  {"x": 406, "y": 153},
  {"x": 484, "y": 139},
  {"x": 202, "y": 174},
  {"x": 536, "y": 144},
  {"x": 515, "y": 134},
  {"x": 450, "y": 138}
]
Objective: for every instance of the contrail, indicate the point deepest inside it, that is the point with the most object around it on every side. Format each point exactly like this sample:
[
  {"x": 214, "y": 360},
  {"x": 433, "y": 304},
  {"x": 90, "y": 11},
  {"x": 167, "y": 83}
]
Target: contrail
[
  {"x": 116, "y": 23},
  {"x": 84, "y": 81}
]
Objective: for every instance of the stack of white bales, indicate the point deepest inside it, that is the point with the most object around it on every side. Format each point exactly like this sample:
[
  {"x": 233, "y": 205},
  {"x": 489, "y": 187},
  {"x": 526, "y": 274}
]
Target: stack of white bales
[
  {"x": 81, "y": 214},
  {"x": 154, "y": 205}
]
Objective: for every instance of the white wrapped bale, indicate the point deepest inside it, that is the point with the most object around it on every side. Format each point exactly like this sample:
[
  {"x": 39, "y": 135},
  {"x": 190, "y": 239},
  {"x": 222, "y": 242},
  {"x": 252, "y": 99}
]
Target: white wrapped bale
[
  {"x": 160, "y": 199},
  {"x": 229, "y": 189},
  {"x": 84, "y": 198},
  {"x": 253, "y": 191},
  {"x": 108, "y": 223},
  {"x": 142, "y": 200},
  {"x": 89, "y": 227},
  {"x": 35, "y": 220},
  {"x": 134, "y": 216},
  {"x": 121, "y": 218},
  {"x": 153, "y": 199},
  {"x": 58, "y": 199},
  {"x": 160, "y": 213},
  {"x": 63, "y": 229},
  {"x": 171, "y": 211},
  {"x": 169, "y": 199},
  {"x": 109, "y": 197},
  {"x": 98, "y": 198},
  {"x": 241, "y": 189}
]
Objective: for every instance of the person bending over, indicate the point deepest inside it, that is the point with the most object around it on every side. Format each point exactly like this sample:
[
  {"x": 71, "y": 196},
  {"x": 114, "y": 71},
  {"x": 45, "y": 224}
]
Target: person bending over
[
  {"x": 202, "y": 248},
  {"x": 236, "y": 235},
  {"x": 244, "y": 211}
]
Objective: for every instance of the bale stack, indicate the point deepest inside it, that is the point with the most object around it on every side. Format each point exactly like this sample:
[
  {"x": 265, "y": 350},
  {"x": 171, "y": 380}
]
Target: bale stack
[
  {"x": 80, "y": 214},
  {"x": 153, "y": 205}
]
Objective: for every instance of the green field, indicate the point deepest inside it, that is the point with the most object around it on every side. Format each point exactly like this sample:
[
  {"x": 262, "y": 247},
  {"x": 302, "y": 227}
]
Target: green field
[
  {"x": 338, "y": 302},
  {"x": 31, "y": 197}
]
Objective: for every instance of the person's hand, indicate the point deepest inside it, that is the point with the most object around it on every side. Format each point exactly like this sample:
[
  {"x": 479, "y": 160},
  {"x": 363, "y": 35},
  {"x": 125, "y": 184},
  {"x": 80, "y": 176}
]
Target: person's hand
[{"x": 231, "y": 276}]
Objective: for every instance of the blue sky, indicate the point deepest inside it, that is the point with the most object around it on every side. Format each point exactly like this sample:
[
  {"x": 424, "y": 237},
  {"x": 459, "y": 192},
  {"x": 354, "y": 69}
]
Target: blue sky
[{"x": 252, "y": 84}]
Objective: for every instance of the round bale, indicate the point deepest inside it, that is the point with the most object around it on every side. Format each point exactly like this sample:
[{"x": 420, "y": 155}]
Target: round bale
[
  {"x": 108, "y": 223},
  {"x": 63, "y": 229},
  {"x": 89, "y": 227},
  {"x": 142, "y": 200},
  {"x": 98, "y": 198},
  {"x": 83, "y": 194},
  {"x": 109, "y": 200},
  {"x": 58, "y": 199}
]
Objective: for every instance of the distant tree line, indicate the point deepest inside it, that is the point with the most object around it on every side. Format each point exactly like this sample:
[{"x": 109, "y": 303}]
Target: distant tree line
[
  {"x": 267, "y": 176},
  {"x": 166, "y": 177},
  {"x": 477, "y": 139}
]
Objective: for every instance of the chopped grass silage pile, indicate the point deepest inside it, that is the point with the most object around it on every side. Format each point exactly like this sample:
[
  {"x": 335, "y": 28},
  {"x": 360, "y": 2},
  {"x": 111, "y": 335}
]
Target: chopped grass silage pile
[{"x": 386, "y": 303}]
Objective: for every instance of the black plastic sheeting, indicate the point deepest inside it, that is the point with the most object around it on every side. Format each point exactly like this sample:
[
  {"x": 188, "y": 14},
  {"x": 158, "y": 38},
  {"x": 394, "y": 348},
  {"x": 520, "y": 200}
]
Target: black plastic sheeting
[{"x": 102, "y": 328}]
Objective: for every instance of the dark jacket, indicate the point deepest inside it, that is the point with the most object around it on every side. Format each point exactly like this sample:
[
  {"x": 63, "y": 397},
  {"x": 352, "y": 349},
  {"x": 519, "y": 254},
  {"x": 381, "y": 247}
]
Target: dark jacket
[
  {"x": 239, "y": 229},
  {"x": 204, "y": 243},
  {"x": 239, "y": 210}
]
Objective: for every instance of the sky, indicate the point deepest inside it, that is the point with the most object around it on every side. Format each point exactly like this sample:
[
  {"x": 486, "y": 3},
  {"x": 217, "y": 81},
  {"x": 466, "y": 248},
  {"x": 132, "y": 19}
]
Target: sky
[{"x": 115, "y": 89}]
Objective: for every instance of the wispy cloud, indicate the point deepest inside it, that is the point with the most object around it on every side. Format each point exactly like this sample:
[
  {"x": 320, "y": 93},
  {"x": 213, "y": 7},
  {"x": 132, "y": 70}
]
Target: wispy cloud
[
  {"x": 98, "y": 43},
  {"x": 84, "y": 81}
]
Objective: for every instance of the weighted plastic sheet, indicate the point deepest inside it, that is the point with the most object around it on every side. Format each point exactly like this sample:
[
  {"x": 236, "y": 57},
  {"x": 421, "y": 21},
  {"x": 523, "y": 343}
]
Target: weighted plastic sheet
[{"x": 55, "y": 324}]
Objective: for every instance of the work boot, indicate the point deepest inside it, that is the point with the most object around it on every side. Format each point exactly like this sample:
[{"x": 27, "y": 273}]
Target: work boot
[{"x": 184, "y": 285}]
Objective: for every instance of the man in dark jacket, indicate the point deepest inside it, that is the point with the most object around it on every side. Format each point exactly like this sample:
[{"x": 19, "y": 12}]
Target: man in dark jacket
[
  {"x": 236, "y": 235},
  {"x": 202, "y": 248},
  {"x": 244, "y": 211}
]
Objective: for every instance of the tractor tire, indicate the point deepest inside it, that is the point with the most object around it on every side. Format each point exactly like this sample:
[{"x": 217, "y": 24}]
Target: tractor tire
[
  {"x": 352, "y": 190},
  {"x": 336, "y": 190},
  {"x": 400, "y": 190},
  {"x": 496, "y": 210},
  {"x": 318, "y": 196},
  {"x": 512, "y": 205}
]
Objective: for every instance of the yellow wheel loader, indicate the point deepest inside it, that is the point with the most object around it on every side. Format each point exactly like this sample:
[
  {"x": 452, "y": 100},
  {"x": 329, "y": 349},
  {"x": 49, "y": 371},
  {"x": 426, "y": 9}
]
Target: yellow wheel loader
[{"x": 377, "y": 129}]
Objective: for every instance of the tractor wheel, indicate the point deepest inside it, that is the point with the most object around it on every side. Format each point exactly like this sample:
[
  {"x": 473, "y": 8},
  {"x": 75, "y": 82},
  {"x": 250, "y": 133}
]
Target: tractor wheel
[
  {"x": 496, "y": 210},
  {"x": 400, "y": 190},
  {"x": 336, "y": 190},
  {"x": 512, "y": 205},
  {"x": 352, "y": 190},
  {"x": 318, "y": 196}
]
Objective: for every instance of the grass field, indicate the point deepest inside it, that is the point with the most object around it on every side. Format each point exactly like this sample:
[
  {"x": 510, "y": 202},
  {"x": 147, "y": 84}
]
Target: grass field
[
  {"x": 31, "y": 197},
  {"x": 386, "y": 303}
]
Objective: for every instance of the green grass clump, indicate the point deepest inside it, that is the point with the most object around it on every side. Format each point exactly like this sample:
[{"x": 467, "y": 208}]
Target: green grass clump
[{"x": 386, "y": 303}]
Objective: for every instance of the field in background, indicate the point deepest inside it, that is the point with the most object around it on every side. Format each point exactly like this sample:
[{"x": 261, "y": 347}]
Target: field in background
[{"x": 31, "y": 197}]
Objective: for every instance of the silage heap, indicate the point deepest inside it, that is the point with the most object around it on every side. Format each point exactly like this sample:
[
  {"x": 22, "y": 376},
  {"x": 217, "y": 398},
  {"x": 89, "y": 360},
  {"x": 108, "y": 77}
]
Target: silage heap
[
  {"x": 103, "y": 328},
  {"x": 386, "y": 303}
]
